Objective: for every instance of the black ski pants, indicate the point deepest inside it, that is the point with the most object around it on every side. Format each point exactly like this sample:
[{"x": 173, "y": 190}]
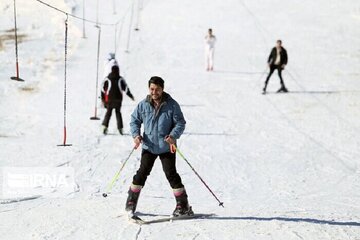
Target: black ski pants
[
  {"x": 168, "y": 161},
  {"x": 110, "y": 107},
  {"x": 272, "y": 69}
]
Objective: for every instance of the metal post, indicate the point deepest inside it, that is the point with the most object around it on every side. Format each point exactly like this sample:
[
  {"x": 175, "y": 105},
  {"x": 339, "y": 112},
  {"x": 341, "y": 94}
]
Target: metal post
[
  {"x": 84, "y": 35},
  {"x": 130, "y": 24},
  {"x": 17, "y": 78},
  {"x": 65, "y": 61},
  {"x": 114, "y": 7},
  {"x": 95, "y": 117},
  {"x": 97, "y": 12}
]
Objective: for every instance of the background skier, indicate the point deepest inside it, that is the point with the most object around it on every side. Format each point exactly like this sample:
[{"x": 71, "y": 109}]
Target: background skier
[
  {"x": 163, "y": 124},
  {"x": 210, "y": 40},
  {"x": 109, "y": 63},
  {"x": 112, "y": 91},
  {"x": 278, "y": 59}
]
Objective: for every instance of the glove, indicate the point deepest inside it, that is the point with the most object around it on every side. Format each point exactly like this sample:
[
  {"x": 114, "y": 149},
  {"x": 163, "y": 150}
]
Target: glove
[
  {"x": 137, "y": 141},
  {"x": 169, "y": 139}
]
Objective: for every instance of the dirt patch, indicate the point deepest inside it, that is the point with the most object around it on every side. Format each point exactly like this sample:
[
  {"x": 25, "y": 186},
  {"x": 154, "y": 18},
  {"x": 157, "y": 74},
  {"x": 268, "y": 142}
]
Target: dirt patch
[
  {"x": 9, "y": 35},
  {"x": 27, "y": 89}
]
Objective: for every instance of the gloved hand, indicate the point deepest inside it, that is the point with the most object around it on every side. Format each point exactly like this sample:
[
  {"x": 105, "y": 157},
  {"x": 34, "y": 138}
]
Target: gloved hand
[
  {"x": 137, "y": 141},
  {"x": 169, "y": 139}
]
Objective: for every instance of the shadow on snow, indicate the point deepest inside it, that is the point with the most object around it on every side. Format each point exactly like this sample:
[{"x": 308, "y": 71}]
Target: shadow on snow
[{"x": 288, "y": 219}]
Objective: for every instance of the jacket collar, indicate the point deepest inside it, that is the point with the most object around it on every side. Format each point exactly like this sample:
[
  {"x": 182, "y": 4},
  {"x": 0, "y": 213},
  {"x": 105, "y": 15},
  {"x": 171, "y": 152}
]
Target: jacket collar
[{"x": 165, "y": 97}]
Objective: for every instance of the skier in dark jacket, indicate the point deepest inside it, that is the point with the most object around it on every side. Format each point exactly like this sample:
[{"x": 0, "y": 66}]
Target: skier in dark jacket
[
  {"x": 113, "y": 87},
  {"x": 163, "y": 123},
  {"x": 277, "y": 60}
]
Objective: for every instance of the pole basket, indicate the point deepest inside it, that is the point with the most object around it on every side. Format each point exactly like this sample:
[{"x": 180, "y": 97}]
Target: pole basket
[
  {"x": 95, "y": 117},
  {"x": 64, "y": 144},
  {"x": 17, "y": 79}
]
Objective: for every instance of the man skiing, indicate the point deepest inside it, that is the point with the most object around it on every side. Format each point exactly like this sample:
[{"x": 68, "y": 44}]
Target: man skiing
[
  {"x": 112, "y": 89},
  {"x": 163, "y": 124},
  {"x": 210, "y": 40},
  {"x": 277, "y": 60}
]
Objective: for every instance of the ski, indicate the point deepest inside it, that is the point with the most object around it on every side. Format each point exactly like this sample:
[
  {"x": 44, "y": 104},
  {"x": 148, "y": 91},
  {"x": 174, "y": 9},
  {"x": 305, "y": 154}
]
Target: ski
[{"x": 136, "y": 219}]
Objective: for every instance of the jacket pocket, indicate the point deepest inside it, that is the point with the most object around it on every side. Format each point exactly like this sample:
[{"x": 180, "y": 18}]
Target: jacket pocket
[
  {"x": 147, "y": 117},
  {"x": 165, "y": 122}
]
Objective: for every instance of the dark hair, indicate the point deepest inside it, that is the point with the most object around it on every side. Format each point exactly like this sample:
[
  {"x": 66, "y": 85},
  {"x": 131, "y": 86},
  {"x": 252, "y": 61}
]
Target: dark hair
[
  {"x": 115, "y": 69},
  {"x": 210, "y": 29},
  {"x": 279, "y": 41},
  {"x": 157, "y": 81}
]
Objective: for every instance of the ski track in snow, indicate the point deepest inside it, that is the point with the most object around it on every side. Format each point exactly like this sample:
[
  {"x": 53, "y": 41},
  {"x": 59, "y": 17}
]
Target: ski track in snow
[{"x": 285, "y": 165}]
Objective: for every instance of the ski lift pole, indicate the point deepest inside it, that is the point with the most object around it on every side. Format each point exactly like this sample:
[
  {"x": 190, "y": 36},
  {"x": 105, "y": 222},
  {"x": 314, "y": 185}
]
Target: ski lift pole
[
  {"x": 115, "y": 38},
  {"x": 66, "y": 38},
  {"x": 84, "y": 35},
  {"x": 95, "y": 117},
  {"x": 138, "y": 12},
  {"x": 114, "y": 7},
  {"x": 130, "y": 25},
  {"x": 17, "y": 78}
]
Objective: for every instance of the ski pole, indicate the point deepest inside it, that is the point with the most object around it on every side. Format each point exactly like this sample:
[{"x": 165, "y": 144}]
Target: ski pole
[
  {"x": 173, "y": 147},
  {"x": 117, "y": 175}
]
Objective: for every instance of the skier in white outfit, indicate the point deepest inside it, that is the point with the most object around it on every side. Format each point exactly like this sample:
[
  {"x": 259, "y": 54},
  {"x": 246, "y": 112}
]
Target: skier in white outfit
[
  {"x": 210, "y": 40},
  {"x": 109, "y": 63}
]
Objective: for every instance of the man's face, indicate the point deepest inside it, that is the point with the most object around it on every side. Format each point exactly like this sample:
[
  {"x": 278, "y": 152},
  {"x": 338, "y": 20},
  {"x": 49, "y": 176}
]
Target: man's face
[
  {"x": 155, "y": 91},
  {"x": 278, "y": 44}
]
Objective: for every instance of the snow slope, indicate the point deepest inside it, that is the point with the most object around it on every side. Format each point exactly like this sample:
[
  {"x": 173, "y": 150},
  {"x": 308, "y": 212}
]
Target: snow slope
[{"x": 286, "y": 166}]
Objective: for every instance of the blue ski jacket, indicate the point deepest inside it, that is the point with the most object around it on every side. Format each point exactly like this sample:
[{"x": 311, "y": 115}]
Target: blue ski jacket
[{"x": 166, "y": 120}]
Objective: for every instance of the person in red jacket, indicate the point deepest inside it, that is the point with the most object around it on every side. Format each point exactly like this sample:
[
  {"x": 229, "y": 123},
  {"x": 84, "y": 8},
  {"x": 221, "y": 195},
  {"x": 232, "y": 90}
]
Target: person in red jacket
[{"x": 113, "y": 87}]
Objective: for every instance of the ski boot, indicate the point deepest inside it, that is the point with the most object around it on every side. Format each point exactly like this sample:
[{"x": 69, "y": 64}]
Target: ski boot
[
  {"x": 105, "y": 130},
  {"x": 182, "y": 205},
  {"x": 133, "y": 197},
  {"x": 264, "y": 91},
  {"x": 121, "y": 131},
  {"x": 282, "y": 89}
]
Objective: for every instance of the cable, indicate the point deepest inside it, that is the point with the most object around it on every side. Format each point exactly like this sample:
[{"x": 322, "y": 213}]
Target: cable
[{"x": 74, "y": 16}]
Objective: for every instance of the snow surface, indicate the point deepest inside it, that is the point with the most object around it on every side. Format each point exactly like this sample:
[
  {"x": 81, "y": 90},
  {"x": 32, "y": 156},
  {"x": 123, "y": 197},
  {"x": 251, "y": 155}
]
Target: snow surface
[{"x": 286, "y": 166}]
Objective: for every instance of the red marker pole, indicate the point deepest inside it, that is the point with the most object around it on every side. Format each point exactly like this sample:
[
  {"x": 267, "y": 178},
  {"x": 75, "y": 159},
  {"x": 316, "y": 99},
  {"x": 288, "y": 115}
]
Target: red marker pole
[
  {"x": 64, "y": 144},
  {"x": 17, "y": 78}
]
